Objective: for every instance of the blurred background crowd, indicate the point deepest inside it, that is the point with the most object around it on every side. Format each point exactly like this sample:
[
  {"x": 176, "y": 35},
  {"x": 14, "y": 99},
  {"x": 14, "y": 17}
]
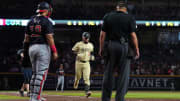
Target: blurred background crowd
[
  {"x": 94, "y": 9},
  {"x": 157, "y": 58},
  {"x": 160, "y": 49}
]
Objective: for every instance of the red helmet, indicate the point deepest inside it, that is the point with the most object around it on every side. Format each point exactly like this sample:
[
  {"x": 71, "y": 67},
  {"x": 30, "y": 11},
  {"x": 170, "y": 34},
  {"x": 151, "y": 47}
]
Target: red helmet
[{"x": 44, "y": 6}]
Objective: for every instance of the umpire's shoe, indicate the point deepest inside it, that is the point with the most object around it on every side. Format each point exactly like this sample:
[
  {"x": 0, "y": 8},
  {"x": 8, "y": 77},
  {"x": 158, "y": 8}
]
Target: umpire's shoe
[{"x": 28, "y": 94}]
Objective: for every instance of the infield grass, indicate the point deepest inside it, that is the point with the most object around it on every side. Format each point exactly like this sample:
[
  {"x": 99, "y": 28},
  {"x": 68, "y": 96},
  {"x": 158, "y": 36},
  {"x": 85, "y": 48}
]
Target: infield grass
[
  {"x": 9, "y": 97},
  {"x": 131, "y": 94}
]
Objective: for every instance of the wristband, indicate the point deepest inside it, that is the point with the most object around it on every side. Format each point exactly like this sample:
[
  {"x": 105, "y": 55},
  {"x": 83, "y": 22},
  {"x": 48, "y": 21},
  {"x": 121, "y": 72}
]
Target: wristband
[{"x": 53, "y": 48}]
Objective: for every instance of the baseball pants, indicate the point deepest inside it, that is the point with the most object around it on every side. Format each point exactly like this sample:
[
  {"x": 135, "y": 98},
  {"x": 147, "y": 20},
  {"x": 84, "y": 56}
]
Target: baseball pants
[
  {"x": 27, "y": 75},
  {"x": 82, "y": 69},
  {"x": 40, "y": 55},
  {"x": 117, "y": 57},
  {"x": 60, "y": 81}
]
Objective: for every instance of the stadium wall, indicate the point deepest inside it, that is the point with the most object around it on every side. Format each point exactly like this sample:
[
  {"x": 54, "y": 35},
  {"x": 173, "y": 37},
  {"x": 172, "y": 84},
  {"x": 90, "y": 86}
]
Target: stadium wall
[{"x": 13, "y": 81}]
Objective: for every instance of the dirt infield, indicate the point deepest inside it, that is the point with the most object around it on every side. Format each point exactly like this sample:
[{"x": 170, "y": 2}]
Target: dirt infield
[{"x": 77, "y": 98}]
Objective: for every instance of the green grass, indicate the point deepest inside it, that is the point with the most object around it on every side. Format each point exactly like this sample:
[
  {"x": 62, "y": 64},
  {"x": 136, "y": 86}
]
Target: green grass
[
  {"x": 8, "y": 97},
  {"x": 153, "y": 95},
  {"x": 131, "y": 95}
]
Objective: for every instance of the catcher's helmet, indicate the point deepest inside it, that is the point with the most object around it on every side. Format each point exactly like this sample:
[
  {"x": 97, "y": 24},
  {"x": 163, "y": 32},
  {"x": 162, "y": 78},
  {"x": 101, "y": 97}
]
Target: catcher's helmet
[
  {"x": 86, "y": 35},
  {"x": 44, "y": 6}
]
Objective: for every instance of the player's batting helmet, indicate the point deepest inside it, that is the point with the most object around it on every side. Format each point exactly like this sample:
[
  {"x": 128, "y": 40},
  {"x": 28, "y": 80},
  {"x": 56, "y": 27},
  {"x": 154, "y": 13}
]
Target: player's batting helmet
[
  {"x": 43, "y": 6},
  {"x": 86, "y": 35}
]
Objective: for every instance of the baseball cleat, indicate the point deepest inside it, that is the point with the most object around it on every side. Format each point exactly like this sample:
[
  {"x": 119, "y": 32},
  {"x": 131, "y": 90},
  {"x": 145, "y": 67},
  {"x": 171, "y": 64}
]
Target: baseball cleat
[
  {"x": 88, "y": 94},
  {"x": 43, "y": 99},
  {"x": 21, "y": 93},
  {"x": 75, "y": 85}
]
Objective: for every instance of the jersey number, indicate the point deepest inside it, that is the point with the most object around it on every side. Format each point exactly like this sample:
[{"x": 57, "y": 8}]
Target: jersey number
[{"x": 36, "y": 28}]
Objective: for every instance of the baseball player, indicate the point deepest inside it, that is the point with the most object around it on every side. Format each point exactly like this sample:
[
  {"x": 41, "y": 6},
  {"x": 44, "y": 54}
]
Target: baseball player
[
  {"x": 39, "y": 42},
  {"x": 83, "y": 51},
  {"x": 60, "y": 73}
]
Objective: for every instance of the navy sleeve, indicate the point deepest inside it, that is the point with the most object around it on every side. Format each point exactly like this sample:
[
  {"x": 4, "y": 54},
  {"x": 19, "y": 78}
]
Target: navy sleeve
[
  {"x": 104, "y": 25},
  {"x": 49, "y": 27}
]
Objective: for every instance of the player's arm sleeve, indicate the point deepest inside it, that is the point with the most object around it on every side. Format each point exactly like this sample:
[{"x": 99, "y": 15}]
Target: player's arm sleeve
[
  {"x": 104, "y": 25},
  {"x": 49, "y": 27},
  {"x": 92, "y": 58},
  {"x": 75, "y": 48},
  {"x": 92, "y": 49},
  {"x": 49, "y": 36}
]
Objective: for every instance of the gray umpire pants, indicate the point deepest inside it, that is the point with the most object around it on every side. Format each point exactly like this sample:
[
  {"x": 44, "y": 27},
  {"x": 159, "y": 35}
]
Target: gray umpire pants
[
  {"x": 60, "y": 81},
  {"x": 116, "y": 57},
  {"x": 40, "y": 55}
]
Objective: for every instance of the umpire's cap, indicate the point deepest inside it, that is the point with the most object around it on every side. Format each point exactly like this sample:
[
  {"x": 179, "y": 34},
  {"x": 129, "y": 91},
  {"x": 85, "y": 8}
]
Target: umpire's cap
[
  {"x": 86, "y": 35},
  {"x": 19, "y": 53},
  {"x": 121, "y": 4},
  {"x": 43, "y": 6}
]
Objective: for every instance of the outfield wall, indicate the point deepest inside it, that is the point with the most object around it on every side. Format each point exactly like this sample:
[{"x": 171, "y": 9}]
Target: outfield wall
[
  {"x": 13, "y": 81},
  {"x": 135, "y": 83}
]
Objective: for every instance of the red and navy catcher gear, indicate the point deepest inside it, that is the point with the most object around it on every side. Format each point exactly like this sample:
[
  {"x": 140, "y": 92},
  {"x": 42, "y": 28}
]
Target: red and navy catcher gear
[{"x": 44, "y": 6}]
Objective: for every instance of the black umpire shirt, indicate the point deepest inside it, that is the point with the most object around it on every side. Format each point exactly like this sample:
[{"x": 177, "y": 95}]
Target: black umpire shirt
[
  {"x": 118, "y": 24},
  {"x": 37, "y": 28},
  {"x": 26, "y": 63}
]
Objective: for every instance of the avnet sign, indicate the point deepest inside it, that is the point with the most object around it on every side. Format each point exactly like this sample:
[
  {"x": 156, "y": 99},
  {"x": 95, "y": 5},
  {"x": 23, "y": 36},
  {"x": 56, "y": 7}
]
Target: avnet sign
[
  {"x": 166, "y": 83},
  {"x": 151, "y": 83}
]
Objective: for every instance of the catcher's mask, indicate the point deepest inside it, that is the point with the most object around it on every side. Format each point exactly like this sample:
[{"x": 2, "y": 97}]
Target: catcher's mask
[{"x": 44, "y": 6}]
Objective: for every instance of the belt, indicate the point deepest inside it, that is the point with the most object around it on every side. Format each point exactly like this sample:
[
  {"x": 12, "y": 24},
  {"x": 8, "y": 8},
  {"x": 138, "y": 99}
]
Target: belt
[
  {"x": 118, "y": 41},
  {"x": 121, "y": 40},
  {"x": 83, "y": 61}
]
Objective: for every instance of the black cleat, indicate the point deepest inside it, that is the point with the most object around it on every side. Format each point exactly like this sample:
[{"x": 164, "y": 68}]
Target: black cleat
[{"x": 88, "y": 94}]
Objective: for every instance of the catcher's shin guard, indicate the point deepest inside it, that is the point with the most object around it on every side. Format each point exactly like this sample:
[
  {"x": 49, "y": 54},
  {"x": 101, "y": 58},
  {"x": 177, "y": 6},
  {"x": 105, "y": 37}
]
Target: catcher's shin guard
[{"x": 36, "y": 85}]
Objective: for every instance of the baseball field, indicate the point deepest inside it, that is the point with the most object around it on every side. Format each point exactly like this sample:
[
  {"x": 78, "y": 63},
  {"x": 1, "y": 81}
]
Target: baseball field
[{"x": 79, "y": 96}]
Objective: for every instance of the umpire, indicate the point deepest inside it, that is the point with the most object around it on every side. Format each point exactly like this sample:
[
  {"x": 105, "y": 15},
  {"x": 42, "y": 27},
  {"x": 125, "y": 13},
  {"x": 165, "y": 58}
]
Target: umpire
[
  {"x": 118, "y": 30},
  {"x": 27, "y": 71}
]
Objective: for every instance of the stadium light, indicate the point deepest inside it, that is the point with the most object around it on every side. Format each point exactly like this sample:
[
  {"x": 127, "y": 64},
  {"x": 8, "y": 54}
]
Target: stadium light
[{"x": 23, "y": 22}]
